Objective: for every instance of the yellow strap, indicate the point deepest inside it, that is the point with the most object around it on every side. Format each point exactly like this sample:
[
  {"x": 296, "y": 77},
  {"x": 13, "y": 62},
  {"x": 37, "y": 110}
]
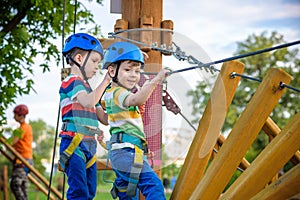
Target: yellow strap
[
  {"x": 74, "y": 143},
  {"x": 138, "y": 156},
  {"x": 91, "y": 162},
  {"x": 122, "y": 190}
]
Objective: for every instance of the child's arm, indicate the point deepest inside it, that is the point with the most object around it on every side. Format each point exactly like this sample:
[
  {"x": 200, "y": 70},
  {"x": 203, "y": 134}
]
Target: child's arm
[
  {"x": 102, "y": 116},
  {"x": 89, "y": 100},
  {"x": 146, "y": 90}
]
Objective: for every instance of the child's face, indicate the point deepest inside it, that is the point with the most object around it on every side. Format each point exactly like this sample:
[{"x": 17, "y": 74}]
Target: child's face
[
  {"x": 92, "y": 64},
  {"x": 129, "y": 73}
]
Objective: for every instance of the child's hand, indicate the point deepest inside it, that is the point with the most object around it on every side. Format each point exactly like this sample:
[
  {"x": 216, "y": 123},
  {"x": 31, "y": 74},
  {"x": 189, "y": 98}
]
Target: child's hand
[
  {"x": 163, "y": 73},
  {"x": 150, "y": 154},
  {"x": 100, "y": 137},
  {"x": 107, "y": 78}
]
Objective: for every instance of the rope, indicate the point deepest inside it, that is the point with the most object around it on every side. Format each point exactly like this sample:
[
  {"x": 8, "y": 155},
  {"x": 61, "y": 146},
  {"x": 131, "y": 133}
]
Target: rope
[
  {"x": 281, "y": 84},
  {"x": 238, "y": 57},
  {"x": 180, "y": 55},
  {"x": 234, "y": 74},
  {"x": 58, "y": 115},
  {"x": 75, "y": 15},
  {"x": 53, "y": 155}
]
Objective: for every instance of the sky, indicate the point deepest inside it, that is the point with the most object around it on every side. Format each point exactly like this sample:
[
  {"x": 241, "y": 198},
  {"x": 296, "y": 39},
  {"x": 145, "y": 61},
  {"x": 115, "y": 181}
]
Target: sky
[{"x": 214, "y": 25}]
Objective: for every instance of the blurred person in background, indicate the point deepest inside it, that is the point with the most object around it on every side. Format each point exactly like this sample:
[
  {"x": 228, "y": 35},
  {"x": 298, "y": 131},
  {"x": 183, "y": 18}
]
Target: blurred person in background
[{"x": 22, "y": 143}]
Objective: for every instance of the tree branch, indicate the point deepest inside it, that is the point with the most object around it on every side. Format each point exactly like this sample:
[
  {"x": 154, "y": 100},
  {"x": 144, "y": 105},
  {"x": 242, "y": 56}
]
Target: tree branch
[{"x": 17, "y": 18}]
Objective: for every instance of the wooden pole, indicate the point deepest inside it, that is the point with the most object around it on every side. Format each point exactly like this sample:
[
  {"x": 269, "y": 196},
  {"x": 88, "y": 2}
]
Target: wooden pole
[
  {"x": 284, "y": 188},
  {"x": 271, "y": 128},
  {"x": 242, "y": 135},
  {"x": 30, "y": 177},
  {"x": 5, "y": 182},
  {"x": 208, "y": 131}
]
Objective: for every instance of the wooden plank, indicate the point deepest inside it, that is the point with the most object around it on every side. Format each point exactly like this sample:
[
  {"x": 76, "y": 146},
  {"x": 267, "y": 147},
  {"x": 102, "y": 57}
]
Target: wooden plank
[
  {"x": 271, "y": 128},
  {"x": 284, "y": 188},
  {"x": 208, "y": 131},
  {"x": 30, "y": 177},
  {"x": 103, "y": 165},
  {"x": 244, "y": 163},
  {"x": 39, "y": 186},
  {"x": 32, "y": 169},
  {"x": 268, "y": 163},
  {"x": 5, "y": 182},
  {"x": 242, "y": 135}
]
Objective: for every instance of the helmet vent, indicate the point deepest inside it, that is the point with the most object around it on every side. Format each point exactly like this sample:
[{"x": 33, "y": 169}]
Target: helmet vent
[{"x": 120, "y": 51}]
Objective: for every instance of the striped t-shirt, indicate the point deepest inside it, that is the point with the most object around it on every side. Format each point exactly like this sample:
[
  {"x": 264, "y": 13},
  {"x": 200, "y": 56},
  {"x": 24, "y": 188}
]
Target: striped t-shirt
[
  {"x": 72, "y": 111},
  {"x": 120, "y": 118}
]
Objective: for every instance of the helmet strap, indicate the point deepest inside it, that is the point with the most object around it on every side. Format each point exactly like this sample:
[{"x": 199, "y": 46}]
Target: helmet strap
[
  {"x": 115, "y": 78},
  {"x": 83, "y": 66}
]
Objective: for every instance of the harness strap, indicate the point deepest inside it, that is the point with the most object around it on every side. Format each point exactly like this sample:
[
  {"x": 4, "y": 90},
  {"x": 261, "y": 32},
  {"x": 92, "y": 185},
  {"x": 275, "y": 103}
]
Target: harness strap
[
  {"x": 123, "y": 137},
  {"x": 123, "y": 140},
  {"x": 91, "y": 161},
  {"x": 135, "y": 172},
  {"x": 74, "y": 143},
  {"x": 73, "y": 148},
  {"x": 78, "y": 128}
]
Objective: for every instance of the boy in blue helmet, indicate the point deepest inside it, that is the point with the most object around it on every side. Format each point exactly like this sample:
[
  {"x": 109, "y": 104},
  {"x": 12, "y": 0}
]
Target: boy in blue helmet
[
  {"x": 81, "y": 114},
  {"x": 127, "y": 146}
]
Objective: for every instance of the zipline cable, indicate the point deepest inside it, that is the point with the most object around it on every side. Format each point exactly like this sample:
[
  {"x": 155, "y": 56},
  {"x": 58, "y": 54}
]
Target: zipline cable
[
  {"x": 281, "y": 84},
  {"x": 237, "y": 57},
  {"x": 181, "y": 55}
]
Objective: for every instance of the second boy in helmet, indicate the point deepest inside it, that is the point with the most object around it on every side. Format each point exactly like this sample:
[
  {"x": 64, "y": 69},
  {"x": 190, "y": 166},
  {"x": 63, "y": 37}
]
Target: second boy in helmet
[{"x": 124, "y": 62}]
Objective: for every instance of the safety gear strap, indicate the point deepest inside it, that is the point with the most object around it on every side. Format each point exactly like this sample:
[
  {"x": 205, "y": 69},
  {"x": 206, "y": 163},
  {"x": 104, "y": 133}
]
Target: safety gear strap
[
  {"x": 74, "y": 143},
  {"x": 91, "y": 161},
  {"x": 73, "y": 148},
  {"x": 86, "y": 130},
  {"x": 135, "y": 172},
  {"x": 124, "y": 137}
]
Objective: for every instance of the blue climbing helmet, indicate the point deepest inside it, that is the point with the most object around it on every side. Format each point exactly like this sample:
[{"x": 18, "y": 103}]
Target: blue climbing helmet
[
  {"x": 120, "y": 51},
  {"x": 82, "y": 41}
]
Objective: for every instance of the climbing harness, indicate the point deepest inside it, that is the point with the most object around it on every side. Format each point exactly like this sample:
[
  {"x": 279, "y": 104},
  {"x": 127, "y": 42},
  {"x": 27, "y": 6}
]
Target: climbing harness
[
  {"x": 122, "y": 140},
  {"x": 81, "y": 132}
]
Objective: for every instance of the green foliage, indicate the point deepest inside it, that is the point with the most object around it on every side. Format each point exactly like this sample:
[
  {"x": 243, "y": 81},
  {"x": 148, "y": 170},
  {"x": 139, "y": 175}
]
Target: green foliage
[
  {"x": 27, "y": 30},
  {"x": 43, "y": 137},
  {"x": 258, "y": 65}
]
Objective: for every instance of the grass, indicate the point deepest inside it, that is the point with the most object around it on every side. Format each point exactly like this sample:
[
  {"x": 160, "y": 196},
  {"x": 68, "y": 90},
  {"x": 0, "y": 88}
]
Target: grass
[{"x": 103, "y": 192}]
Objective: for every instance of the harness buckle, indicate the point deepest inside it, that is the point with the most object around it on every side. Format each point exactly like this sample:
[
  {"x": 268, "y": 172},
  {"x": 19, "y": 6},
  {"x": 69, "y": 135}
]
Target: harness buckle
[
  {"x": 114, "y": 192},
  {"x": 63, "y": 160},
  {"x": 64, "y": 126},
  {"x": 145, "y": 149}
]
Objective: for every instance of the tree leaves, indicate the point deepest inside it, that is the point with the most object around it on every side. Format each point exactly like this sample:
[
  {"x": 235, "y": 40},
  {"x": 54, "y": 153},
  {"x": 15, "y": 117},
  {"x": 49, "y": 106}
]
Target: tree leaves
[{"x": 27, "y": 30}]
